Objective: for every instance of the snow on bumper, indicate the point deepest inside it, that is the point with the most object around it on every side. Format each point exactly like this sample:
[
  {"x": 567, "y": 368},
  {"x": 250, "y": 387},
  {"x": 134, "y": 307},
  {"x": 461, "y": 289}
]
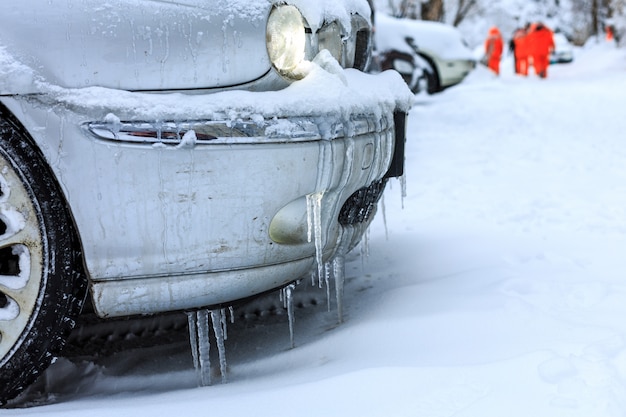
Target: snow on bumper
[{"x": 178, "y": 210}]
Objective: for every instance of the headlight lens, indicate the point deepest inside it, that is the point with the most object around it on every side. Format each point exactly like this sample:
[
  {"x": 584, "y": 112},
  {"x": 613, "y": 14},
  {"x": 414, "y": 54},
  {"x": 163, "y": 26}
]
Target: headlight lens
[
  {"x": 286, "y": 39},
  {"x": 329, "y": 37}
]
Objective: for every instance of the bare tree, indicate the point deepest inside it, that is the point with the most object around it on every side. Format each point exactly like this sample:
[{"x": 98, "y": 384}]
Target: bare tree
[
  {"x": 404, "y": 8},
  {"x": 580, "y": 19},
  {"x": 464, "y": 7},
  {"x": 601, "y": 13},
  {"x": 595, "y": 20},
  {"x": 432, "y": 10},
  {"x": 618, "y": 20}
]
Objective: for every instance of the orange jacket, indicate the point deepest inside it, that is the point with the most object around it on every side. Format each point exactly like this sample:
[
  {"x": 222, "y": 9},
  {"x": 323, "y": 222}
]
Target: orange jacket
[
  {"x": 521, "y": 43},
  {"x": 540, "y": 40},
  {"x": 494, "y": 44}
]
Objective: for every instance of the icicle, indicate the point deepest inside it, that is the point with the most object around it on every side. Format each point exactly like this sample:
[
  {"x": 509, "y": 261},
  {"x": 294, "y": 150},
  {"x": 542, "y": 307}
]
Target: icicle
[
  {"x": 309, "y": 218},
  {"x": 223, "y": 323},
  {"x": 193, "y": 340},
  {"x": 204, "y": 347},
  {"x": 339, "y": 267},
  {"x": 382, "y": 204},
  {"x": 365, "y": 247},
  {"x": 314, "y": 200},
  {"x": 314, "y": 211},
  {"x": 288, "y": 300},
  {"x": 198, "y": 322},
  {"x": 327, "y": 272},
  {"x": 216, "y": 319},
  {"x": 158, "y": 127},
  {"x": 339, "y": 263},
  {"x": 231, "y": 311},
  {"x": 403, "y": 188}
]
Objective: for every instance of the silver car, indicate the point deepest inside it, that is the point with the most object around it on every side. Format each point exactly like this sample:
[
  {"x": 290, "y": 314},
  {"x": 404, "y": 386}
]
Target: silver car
[
  {"x": 431, "y": 56},
  {"x": 161, "y": 156}
]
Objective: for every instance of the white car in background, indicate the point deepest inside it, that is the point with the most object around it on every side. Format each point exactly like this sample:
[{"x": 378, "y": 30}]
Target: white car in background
[
  {"x": 430, "y": 56},
  {"x": 563, "y": 52},
  {"x": 180, "y": 155}
]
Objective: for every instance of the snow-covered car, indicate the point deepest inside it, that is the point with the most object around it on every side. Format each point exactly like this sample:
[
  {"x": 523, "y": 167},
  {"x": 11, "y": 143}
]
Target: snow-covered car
[
  {"x": 161, "y": 155},
  {"x": 563, "y": 51},
  {"x": 430, "y": 56}
]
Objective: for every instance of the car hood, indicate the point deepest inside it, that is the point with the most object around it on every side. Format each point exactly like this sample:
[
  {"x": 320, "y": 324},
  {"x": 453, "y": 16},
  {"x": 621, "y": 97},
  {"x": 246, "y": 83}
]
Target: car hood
[
  {"x": 138, "y": 44},
  {"x": 439, "y": 39}
]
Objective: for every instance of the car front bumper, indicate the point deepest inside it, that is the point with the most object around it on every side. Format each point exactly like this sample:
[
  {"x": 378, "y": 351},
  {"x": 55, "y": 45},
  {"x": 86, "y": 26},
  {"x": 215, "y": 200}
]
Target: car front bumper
[
  {"x": 454, "y": 71},
  {"x": 176, "y": 211},
  {"x": 561, "y": 57}
]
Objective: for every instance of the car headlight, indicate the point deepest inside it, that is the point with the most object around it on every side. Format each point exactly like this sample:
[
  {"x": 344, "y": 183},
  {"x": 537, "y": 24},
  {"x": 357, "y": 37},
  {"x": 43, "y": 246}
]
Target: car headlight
[
  {"x": 330, "y": 38},
  {"x": 286, "y": 40}
]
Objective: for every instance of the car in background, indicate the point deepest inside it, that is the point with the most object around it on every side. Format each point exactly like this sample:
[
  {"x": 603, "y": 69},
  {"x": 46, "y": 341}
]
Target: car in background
[
  {"x": 563, "y": 52},
  {"x": 430, "y": 56},
  {"x": 180, "y": 156}
]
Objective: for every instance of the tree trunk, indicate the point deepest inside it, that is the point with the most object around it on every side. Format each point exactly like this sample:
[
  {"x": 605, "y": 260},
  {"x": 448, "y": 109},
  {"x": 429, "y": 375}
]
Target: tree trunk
[
  {"x": 594, "y": 17},
  {"x": 408, "y": 9},
  {"x": 432, "y": 10},
  {"x": 463, "y": 8}
]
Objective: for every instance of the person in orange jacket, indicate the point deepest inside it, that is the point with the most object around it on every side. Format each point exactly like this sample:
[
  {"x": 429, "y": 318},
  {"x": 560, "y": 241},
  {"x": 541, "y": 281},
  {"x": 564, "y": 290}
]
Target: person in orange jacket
[
  {"x": 609, "y": 33},
  {"x": 519, "y": 45},
  {"x": 541, "y": 43},
  {"x": 493, "y": 49}
]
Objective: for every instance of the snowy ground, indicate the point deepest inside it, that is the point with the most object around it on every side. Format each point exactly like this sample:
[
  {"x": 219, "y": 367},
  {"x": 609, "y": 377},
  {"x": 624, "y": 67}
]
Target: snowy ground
[{"x": 498, "y": 290}]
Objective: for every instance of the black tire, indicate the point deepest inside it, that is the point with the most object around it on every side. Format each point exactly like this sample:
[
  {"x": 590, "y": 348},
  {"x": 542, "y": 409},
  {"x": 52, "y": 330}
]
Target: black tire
[
  {"x": 388, "y": 62},
  {"x": 42, "y": 284},
  {"x": 430, "y": 76}
]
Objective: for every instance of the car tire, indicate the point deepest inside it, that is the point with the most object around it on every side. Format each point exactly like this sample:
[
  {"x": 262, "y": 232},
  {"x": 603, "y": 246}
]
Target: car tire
[
  {"x": 430, "y": 79},
  {"x": 42, "y": 285},
  {"x": 389, "y": 61}
]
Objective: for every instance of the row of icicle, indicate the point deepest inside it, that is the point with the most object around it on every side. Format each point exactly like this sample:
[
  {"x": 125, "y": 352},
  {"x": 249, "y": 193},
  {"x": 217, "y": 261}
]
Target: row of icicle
[{"x": 200, "y": 322}]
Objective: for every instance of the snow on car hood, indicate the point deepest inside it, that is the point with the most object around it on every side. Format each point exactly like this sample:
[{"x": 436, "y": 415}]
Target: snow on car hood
[
  {"x": 327, "y": 91},
  {"x": 138, "y": 44},
  {"x": 148, "y": 45},
  {"x": 315, "y": 12}
]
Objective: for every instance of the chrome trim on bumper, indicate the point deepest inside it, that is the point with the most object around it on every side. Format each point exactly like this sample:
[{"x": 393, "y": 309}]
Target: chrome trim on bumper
[{"x": 230, "y": 132}]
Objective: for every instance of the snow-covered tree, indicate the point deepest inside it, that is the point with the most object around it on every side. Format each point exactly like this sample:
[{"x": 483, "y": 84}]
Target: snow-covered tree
[{"x": 579, "y": 20}]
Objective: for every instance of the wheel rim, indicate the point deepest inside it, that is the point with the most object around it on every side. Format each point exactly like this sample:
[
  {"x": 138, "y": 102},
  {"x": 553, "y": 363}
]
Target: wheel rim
[{"x": 21, "y": 259}]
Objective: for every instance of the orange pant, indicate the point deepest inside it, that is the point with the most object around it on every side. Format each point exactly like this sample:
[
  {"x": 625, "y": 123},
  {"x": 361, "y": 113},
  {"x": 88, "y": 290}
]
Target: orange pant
[
  {"x": 541, "y": 63},
  {"x": 521, "y": 65},
  {"x": 494, "y": 64}
]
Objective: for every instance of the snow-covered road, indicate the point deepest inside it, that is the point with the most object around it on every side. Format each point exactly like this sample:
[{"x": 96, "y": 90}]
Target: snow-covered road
[{"x": 496, "y": 287}]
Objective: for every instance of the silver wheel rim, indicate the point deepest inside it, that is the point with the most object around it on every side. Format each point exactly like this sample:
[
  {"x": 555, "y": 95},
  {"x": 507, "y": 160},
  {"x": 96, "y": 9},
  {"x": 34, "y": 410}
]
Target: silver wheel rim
[{"x": 21, "y": 260}]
